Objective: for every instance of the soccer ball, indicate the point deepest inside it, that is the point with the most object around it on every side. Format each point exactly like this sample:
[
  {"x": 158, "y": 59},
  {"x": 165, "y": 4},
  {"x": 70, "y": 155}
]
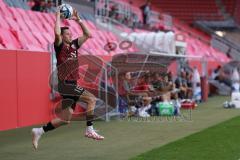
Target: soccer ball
[{"x": 66, "y": 11}]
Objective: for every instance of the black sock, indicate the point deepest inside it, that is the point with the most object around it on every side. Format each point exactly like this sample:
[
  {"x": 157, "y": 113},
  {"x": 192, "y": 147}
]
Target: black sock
[
  {"x": 90, "y": 120},
  {"x": 48, "y": 127}
]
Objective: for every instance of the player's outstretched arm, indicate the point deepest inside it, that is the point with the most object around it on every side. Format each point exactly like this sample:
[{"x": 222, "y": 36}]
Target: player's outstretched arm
[
  {"x": 86, "y": 33},
  {"x": 57, "y": 29}
]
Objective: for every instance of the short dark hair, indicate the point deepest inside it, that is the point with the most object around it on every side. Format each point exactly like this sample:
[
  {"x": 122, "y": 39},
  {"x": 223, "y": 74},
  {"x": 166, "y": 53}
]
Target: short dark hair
[{"x": 63, "y": 29}]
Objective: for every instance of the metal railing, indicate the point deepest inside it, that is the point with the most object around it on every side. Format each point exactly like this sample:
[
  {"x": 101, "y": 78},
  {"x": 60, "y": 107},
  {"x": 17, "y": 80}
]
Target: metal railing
[{"x": 122, "y": 12}]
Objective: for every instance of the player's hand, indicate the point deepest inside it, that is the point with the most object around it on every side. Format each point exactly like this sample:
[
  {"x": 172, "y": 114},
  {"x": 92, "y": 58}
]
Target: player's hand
[
  {"x": 75, "y": 16},
  {"x": 58, "y": 13}
]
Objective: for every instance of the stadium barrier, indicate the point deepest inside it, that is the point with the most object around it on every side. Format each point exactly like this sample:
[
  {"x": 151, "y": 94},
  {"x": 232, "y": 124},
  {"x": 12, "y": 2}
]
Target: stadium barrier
[{"x": 24, "y": 96}]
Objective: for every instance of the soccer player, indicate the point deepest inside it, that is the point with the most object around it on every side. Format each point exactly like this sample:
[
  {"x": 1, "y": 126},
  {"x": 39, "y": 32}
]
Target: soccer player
[{"x": 67, "y": 65}]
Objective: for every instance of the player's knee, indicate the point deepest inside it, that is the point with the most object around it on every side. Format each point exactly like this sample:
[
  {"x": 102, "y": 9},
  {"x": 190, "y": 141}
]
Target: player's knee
[{"x": 92, "y": 101}]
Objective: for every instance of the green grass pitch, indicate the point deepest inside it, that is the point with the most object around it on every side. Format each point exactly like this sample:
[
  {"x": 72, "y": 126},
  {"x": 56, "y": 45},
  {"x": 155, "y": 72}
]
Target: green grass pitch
[{"x": 128, "y": 139}]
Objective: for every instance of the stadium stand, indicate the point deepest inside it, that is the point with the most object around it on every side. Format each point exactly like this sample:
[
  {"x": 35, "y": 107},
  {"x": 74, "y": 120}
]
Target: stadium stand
[
  {"x": 24, "y": 30},
  {"x": 21, "y": 28},
  {"x": 198, "y": 42},
  {"x": 229, "y": 6},
  {"x": 189, "y": 11}
]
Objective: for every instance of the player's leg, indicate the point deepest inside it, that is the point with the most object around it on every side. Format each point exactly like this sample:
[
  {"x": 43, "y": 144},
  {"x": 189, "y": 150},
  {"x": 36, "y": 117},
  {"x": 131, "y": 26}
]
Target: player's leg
[
  {"x": 90, "y": 99},
  {"x": 63, "y": 117}
]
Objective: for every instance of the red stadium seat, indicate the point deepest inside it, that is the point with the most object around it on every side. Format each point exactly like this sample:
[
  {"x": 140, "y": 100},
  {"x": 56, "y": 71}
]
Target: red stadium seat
[
  {"x": 91, "y": 25},
  {"x": 30, "y": 38},
  {"x": 5, "y": 11},
  {"x": 12, "y": 23},
  {"x": 23, "y": 13},
  {"x": 15, "y": 13},
  {"x": 1, "y": 46},
  {"x": 52, "y": 16},
  {"x": 47, "y": 27},
  {"x": 48, "y": 18},
  {"x": 31, "y": 26},
  {"x": 48, "y": 37},
  {"x": 41, "y": 39},
  {"x": 39, "y": 26},
  {"x": 23, "y": 25},
  {"x": 22, "y": 39},
  {"x": 9, "y": 40},
  {"x": 3, "y": 23}
]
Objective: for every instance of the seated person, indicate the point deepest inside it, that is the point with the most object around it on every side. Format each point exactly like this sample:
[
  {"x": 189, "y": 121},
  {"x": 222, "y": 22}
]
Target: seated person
[
  {"x": 166, "y": 85},
  {"x": 164, "y": 90},
  {"x": 163, "y": 85},
  {"x": 156, "y": 81},
  {"x": 139, "y": 95},
  {"x": 127, "y": 89},
  {"x": 182, "y": 84},
  {"x": 189, "y": 85},
  {"x": 144, "y": 84}
]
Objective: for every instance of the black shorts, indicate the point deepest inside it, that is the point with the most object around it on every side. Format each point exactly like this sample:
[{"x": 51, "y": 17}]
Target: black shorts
[{"x": 70, "y": 92}]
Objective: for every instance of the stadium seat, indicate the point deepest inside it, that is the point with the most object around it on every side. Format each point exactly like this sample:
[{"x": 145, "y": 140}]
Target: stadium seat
[
  {"x": 186, "y": 10},
  {"x": 91, "y": 25},
  {"x": 48, "y": 19},
  {"x": 5, "y": 11},
  {"x": 31, "y": 26},
  {"x": 12, "y": 23},
  {"x": 229, "y": 6},
  {"x": 39, "y": 26},
  {"x": 22, "y": 39},
  {"x": 3, "y": 23},
  {"x": 1, "y": 46},
  {"x": 22, "y": 24},
  {"x": 47, "y": 27},
  {"x": 41, "y": 39},
  {"x": 48, "y": 37},
  {"x": 15, "y": 13},
  {"x": 32, "y": 40},
  {"x": 9, "y": 40},
  {"x": 23, "y": 13}
]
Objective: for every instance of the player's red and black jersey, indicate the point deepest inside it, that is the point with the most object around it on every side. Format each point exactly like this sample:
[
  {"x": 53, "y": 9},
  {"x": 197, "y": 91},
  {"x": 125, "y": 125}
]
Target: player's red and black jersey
[
  {"x": 67, "y": 61},
  {"x": 68, "y": 73}
]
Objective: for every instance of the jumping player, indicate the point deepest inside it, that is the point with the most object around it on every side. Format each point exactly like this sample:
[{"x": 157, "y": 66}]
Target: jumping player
[{"x": 67, "y": 65}]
